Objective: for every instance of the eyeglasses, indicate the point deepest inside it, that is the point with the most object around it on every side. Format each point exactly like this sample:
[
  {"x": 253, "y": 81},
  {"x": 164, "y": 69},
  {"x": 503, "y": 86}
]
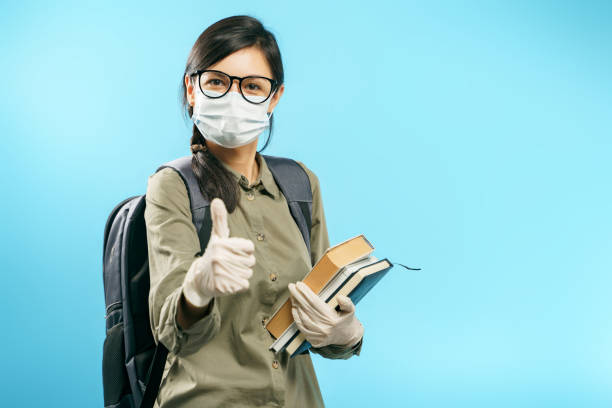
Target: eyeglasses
[{"x": 215, "y": 84}]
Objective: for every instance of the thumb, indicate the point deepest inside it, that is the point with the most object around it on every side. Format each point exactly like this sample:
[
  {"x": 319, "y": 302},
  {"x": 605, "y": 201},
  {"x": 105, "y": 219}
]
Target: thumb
[
  {"x": 218, "y": 215},
  {"x": 345, "y": 303}
]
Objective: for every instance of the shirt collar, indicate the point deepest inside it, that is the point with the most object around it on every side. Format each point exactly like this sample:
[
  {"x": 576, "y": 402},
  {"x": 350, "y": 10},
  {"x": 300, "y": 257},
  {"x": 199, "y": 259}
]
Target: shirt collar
[{"x": 264, "y": 176}]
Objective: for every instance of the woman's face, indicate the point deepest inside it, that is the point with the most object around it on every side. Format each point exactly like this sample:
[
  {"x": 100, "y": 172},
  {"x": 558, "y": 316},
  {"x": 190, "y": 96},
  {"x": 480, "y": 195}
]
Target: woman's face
[{"x": 244, "y": 62}]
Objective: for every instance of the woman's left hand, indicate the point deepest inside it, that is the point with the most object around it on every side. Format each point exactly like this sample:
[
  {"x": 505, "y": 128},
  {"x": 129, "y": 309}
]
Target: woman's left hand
[{"x": 320, "y": 323}]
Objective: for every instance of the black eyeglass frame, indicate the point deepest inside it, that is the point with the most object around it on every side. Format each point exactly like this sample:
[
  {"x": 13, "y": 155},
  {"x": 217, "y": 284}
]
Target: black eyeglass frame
[{"x": 273, "y": 82}]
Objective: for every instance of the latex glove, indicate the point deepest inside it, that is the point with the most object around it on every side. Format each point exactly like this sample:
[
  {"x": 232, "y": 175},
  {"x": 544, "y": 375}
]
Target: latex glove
[
  {"x": 319, "y": 322},
  {"x": 224, "y": 267}
]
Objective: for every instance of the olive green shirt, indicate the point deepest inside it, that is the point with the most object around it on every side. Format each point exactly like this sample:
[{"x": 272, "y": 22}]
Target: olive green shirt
[{"x": 223, "y": 360}]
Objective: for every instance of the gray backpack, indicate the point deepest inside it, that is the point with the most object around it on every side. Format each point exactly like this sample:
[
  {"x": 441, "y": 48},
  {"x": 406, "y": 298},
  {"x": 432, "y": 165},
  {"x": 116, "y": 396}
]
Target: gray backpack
[{"x": 132, "y": 363}]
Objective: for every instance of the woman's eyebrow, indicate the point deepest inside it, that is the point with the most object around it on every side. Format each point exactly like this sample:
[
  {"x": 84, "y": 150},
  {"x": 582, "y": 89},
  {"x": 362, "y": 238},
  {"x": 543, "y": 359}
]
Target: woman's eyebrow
[
  {"x": 252, "y": 74},
  {"x": 257, "y": 75},
  {"x": 243, "y": 76}
]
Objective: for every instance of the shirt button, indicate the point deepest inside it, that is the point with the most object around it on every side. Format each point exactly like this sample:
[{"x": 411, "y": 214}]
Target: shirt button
[
  {"x": 260, "y": 236},
  {"x": 273, "y": 277},
  {"x": 275, "y": 364},
  {"x": 250, "y": 196},
  {"x": 264, "y": 321}
]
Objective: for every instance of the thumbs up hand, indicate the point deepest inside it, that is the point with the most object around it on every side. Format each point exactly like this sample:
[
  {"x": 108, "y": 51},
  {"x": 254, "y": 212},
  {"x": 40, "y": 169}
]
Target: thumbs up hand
[{"x": 224, "y": 267}]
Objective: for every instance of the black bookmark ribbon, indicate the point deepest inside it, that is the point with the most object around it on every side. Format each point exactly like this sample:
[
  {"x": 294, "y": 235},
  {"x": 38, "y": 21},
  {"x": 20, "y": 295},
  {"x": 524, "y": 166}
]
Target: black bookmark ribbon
[{"x": 412, "y": 269}]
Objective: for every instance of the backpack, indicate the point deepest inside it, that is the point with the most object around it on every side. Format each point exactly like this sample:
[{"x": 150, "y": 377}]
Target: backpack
[{"x": 132, "y": 363}]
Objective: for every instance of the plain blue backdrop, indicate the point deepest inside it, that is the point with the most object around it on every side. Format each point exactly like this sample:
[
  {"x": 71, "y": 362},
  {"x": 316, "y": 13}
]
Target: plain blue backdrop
[{"x": 472, "y": 139}]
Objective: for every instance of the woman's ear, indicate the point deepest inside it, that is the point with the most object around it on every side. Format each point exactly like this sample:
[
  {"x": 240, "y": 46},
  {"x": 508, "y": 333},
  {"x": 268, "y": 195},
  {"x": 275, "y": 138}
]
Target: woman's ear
[
  {"x": 276, "y": 97},
  {"x": 190, "y": 88}
]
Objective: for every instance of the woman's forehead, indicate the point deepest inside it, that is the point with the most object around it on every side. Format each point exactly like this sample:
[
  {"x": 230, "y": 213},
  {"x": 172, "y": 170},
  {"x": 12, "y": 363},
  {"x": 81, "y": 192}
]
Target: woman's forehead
[{"x": 244, "y": 62}]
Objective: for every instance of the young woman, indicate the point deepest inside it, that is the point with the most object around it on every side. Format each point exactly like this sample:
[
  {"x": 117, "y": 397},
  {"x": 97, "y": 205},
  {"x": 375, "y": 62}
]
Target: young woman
[{"x": 210, "y": 310}]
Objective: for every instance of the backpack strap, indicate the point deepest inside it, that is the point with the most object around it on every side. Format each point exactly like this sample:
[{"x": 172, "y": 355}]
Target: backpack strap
[
  {"x": 156, "y": 371},
  {"x": 200, "y": 206},
  {"x": 293, "y": 181}
]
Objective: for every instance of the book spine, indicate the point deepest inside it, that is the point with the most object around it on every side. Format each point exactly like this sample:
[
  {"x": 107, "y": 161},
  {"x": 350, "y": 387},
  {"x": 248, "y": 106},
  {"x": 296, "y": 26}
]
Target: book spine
[
  {"x": 303, "y": 347},
  {"x": 295, "y": 344},
  {"x": 288, "y": 335}
]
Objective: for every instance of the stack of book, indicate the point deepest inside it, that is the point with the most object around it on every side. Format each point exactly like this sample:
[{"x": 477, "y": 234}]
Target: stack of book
[{"x": 348, "y": 269}]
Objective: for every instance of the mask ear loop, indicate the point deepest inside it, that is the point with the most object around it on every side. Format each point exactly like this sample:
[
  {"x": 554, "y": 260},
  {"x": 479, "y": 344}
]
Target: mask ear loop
[{"x": 269, "y": 114}]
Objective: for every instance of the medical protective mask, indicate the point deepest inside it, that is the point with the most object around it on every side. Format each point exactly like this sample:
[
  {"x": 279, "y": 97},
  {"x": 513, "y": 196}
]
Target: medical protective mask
[{"x": 230, "y": 121}]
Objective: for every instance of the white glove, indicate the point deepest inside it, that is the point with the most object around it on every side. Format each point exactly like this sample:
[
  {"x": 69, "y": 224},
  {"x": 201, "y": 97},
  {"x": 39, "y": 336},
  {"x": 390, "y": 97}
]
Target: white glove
[
  {"x": 319, "y": 322},
  {"x": 224, "y": 267}
]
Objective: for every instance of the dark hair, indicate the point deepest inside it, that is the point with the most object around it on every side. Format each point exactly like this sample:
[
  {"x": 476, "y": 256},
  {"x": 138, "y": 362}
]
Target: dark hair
[{"x": 217, "y": 42}]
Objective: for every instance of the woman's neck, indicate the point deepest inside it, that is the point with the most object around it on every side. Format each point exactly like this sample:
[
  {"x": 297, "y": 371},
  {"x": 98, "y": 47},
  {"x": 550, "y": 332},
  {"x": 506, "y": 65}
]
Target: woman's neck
[{"x": 242, "y": 158}]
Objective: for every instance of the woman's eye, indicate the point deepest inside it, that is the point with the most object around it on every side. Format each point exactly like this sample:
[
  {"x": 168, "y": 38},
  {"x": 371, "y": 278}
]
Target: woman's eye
[{"x": 253, "y": 86}]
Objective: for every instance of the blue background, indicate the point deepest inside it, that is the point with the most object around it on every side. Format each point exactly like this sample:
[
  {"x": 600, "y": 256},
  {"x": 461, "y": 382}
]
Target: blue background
[{"x": 470, "y": 139}]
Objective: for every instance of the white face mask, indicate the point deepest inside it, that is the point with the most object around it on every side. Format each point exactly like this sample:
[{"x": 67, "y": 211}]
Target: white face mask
[{"x": 230, "y": 121}]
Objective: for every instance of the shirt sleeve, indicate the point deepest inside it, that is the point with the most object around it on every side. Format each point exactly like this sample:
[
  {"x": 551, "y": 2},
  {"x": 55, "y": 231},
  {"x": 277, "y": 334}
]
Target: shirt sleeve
[
  {"x": 319, "y": 242},
  {"x": 173, "y": 245}
]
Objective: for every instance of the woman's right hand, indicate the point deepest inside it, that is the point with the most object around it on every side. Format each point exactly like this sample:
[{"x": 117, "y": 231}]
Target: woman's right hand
[{"x": 224, "y": 267}]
